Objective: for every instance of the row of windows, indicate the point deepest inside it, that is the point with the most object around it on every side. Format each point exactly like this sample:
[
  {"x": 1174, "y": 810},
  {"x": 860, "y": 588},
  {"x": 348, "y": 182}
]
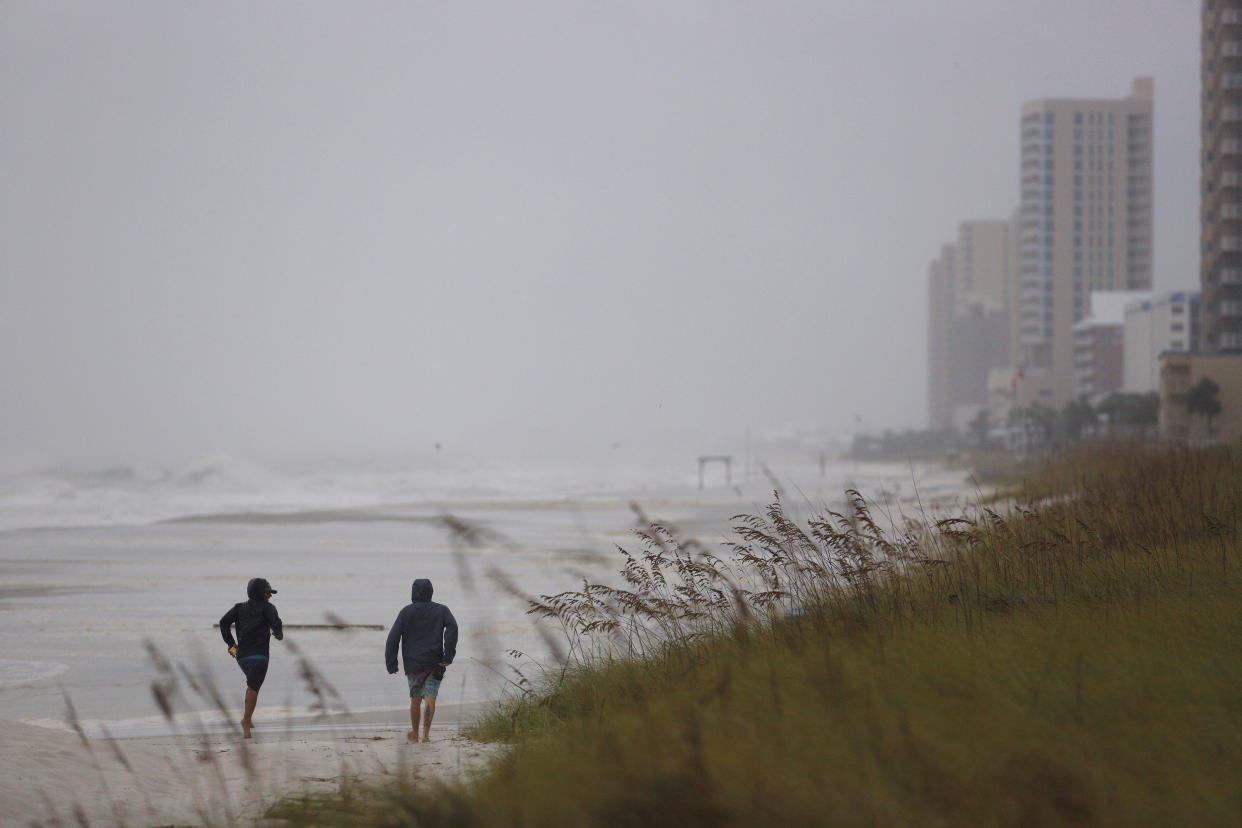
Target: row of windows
[
  {"x": 1095, "y": 181},
  {"x": 1093, "y": 149},
  {"x": 1095, "y": 136},
  {"x": 1096, "y": 141},
  {"x": 1093, "y": 227},
  {"x": 1095, "y": 208},
  {"x": 1097, "y": 195},
  {"x": 1092, "y": 251},
  {"x": 1093, "y": 117}
]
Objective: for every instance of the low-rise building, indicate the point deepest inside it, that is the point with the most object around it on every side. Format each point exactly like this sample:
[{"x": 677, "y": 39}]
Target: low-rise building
[
  {"x": 1179, "y": 374},
  {"x": 1098, "y": 350},
  {"x": 1098, "y": 355},
  {"x": 1167, "y": 321}
]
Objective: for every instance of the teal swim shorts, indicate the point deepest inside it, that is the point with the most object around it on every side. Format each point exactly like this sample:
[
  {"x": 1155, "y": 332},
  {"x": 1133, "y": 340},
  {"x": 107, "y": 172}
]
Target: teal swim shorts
[{"x": 427, "y": 688}]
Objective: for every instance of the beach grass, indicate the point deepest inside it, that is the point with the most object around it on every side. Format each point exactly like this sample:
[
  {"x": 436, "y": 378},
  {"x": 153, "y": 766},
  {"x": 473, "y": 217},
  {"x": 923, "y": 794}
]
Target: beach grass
[{"x": 1069, "y": 657}]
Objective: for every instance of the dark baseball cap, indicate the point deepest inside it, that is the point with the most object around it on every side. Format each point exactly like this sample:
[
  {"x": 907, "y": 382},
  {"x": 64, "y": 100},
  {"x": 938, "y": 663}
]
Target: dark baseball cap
[{"x": 258, "y": 586}]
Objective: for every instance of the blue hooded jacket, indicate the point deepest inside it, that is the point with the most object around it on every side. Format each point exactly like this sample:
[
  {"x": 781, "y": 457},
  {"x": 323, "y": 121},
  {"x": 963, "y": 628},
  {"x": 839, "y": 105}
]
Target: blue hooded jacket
[{"x": 426, "y": 631}]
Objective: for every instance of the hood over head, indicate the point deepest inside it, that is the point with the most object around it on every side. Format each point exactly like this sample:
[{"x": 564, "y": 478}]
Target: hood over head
[
  {"x": 421, "y": 591},
  {"x": 258, "y": 588}
]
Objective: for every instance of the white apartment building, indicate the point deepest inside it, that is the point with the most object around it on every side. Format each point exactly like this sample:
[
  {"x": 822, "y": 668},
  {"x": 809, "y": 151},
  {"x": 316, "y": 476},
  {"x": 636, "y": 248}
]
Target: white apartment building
[
  {"x": 1084, "y": 220},
  {"x": 1166, "y": 321}
]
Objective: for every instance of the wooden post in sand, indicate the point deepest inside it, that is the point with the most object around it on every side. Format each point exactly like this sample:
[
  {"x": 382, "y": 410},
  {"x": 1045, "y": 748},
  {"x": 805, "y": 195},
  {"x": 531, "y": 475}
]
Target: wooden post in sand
[{"x": 716, "y": 458}]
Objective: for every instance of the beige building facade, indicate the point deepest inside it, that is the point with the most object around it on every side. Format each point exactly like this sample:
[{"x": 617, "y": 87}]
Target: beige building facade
[
  {"x": 970, "y": 289},
  {"x": 987, "y": 258},
  {"x": 940, "y": 304},
  {"x": 1180, "y": 372},
  {"x": 1084, "y": 220}
]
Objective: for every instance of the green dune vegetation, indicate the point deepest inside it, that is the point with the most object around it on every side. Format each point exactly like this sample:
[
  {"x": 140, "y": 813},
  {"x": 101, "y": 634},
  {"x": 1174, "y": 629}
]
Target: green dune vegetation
[{"x": 1070, "y": 654}]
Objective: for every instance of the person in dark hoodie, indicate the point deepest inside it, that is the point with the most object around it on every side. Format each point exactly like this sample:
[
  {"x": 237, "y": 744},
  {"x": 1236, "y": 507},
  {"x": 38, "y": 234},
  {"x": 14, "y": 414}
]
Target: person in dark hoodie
[
  {"x": 427, "y": 634},
  {"x": 257, "y": 621}
]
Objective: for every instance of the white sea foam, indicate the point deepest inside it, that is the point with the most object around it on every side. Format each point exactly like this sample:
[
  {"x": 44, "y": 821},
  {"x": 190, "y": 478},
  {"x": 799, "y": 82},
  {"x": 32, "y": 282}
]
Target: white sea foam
[
  {"x": 24, "y": 673},
  {"x": 219, "y": 484},
  {"x": 222, "y": 472}
]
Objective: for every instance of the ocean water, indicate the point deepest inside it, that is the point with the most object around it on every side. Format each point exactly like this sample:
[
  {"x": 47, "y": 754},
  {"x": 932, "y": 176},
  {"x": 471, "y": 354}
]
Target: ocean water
[{"x": 98, "y": 568}]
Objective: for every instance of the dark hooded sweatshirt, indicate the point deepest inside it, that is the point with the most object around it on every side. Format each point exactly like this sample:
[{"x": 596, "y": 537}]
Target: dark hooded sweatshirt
[
  {"x": 426, "y": 631},
  {"x": 256, "y": 621}
]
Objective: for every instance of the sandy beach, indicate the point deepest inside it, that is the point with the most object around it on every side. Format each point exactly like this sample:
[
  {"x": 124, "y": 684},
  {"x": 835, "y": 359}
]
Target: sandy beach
[
  {"x": 53, "y": 777},
  {"x": 101, "y": 615}
]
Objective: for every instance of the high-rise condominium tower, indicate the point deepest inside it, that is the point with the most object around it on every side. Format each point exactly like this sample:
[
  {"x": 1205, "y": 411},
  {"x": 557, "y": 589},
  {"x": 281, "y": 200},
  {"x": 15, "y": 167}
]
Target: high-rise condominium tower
[
  {"x": 1084, "y": 219},
  {"x": 968, "y": 319},
  {"x": 1220, "y": 268}
]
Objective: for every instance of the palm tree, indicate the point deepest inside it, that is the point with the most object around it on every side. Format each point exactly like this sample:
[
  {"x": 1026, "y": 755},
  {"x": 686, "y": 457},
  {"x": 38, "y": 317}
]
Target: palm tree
[{"x": 1204, "y": 399}]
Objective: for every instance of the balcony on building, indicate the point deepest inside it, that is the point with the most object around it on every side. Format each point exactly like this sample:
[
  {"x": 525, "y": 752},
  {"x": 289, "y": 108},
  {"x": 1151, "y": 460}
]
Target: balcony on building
[
  {"x": 1231, "y": 276},
  {"x": 1230, "y": 309},
  {"x": 1230, "y": 341}
]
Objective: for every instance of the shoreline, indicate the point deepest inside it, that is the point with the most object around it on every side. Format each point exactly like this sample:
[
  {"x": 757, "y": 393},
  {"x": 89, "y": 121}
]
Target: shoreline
[
  {"x": 139, "y": 769},
  {"x": 201, "y": 777}
]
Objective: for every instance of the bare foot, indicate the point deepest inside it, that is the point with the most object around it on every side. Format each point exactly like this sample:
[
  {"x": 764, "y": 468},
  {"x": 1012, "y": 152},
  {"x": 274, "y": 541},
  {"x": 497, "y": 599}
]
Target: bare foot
[
  {"x": 412, "y": 737},
  {"x": 245, "y": 729},
  {"x": 426, "y": 737}
]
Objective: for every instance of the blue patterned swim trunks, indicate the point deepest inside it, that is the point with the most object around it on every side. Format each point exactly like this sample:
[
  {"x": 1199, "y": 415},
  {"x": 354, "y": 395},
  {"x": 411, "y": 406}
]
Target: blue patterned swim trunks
[{"x": 425, "y": 685}]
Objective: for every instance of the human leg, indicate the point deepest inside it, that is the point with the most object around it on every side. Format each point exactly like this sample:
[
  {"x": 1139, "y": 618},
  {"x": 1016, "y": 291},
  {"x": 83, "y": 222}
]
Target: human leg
[
  {"x": 247, "y": 722},
  {"x": 431, "y": 688},
  {"x": 429, "y": 713},
  {"x": 255, "y": 669},
  {"x": 415, "y": 701}
]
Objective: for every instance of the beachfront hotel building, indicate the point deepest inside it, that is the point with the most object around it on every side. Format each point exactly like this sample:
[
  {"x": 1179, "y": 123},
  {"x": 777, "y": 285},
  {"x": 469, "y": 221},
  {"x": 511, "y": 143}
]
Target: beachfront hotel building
[
  {"x": 939, "y": 326},
  {"x": 969, "y": 299},
  {"x": 1219, "y": 340},
  {"x": 1221, "y": 178},
  {"x": 1084, "y": 223}
]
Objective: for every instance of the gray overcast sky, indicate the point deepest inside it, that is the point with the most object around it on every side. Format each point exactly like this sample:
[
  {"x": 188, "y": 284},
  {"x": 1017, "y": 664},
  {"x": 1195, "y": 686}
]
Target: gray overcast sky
[{"x": 291, "y": 227}]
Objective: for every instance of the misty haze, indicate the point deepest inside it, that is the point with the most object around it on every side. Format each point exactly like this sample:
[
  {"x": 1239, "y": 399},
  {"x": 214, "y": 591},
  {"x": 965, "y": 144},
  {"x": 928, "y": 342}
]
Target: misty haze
[{"x": 342, "y": 295}]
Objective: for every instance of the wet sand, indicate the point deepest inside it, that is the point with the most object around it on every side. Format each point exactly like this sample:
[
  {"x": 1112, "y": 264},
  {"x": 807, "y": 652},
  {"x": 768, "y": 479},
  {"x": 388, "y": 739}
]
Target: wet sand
[{"x": 55, "y": 777}]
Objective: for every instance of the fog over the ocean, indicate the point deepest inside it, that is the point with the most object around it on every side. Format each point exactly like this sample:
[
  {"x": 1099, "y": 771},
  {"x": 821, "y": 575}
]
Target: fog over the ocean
[{"x": 289, "y": 229}]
